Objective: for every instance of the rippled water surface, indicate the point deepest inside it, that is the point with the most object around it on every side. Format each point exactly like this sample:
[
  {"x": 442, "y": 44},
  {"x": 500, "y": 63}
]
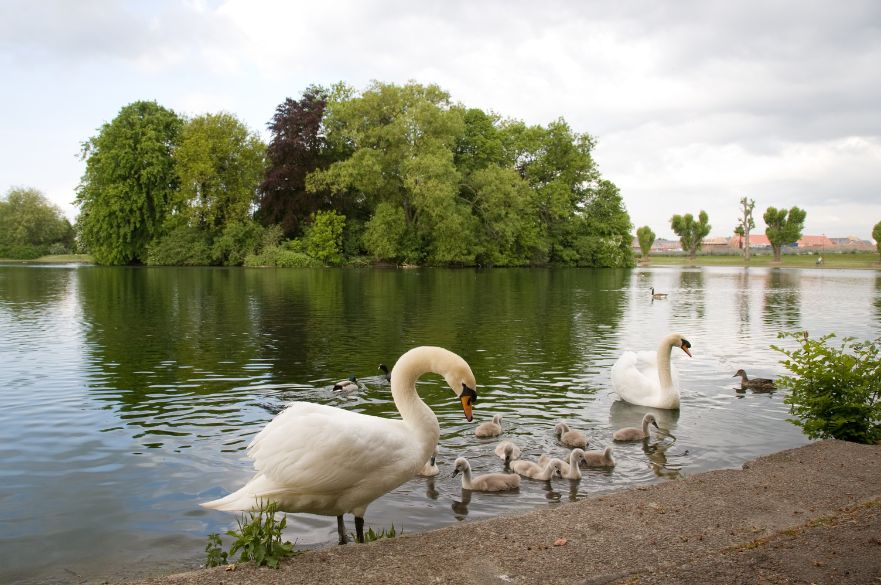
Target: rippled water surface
[{"x": 128, "y": 395}]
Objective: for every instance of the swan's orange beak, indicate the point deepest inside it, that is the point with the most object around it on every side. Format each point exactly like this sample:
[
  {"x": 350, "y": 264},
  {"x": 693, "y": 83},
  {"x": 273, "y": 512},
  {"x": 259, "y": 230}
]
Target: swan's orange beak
[
  {"x": 466, "y": 406},
  {"x": 468, "y": 398},
  {"x": 688, "y": 353}
]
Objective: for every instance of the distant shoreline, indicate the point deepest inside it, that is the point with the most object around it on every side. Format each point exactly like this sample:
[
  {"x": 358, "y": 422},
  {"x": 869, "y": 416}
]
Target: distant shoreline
[{"x": 854, "y": 261}]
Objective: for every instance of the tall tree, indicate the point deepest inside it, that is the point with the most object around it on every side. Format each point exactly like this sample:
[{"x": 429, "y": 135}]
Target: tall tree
[
  {"x": 298, "y": 146},
  {"x": 220, "y": 164},
  {"x": 876, "y": 235},
  {"x": 783, "y": 227},
  {"x": 745, "y": 224},
  {"x": 129, "y": 182},
  {"x": 691, "y": 233},
  {"x": 403, "y": 139},
  {"x": 30, "y": 224},
  {"x": 646, "y": 238},
  {"x": 603, "y": 228}
]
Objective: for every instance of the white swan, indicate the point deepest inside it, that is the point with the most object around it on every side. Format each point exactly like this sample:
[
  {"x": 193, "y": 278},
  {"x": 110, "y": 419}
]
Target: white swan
[
  {"x": 323, "y": 460},
  {"x": 507, "y": 451},
  {"x": 488, "y": 482},
  {"x": 489, "y": 429},
  {"x": 648, "y": 378},
  {"x": 570, "y": 438},
  {"x": 533, "y": 470},
  {"x": 636, "y": 434},
  {"x": 599, "y": 458}
]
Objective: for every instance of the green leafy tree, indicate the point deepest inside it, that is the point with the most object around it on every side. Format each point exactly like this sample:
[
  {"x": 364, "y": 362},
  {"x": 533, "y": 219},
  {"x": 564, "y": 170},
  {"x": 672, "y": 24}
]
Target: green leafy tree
[
  {"x": 508, "y": 232},
  {"x": 324, "y": 237},
  {"x": 876, "y": 235},
  {"x": 402, "y": 140},
  {"x": 129, "y": 182},
  {"x": 219, "y": 164},
  {"x": 745, "y": 224},
  {"x": 602, "y": 228},
  {"x": 691, "y": 233},
  {"x": 30, "y": 225},
  {"x": 646, "y": 238},
  {"x": 783, "y": 227},
  {"x": 835, "y": 392}
]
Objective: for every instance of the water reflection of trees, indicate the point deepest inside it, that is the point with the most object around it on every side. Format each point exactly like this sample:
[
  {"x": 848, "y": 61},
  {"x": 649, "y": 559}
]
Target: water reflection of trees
[
  {"x": 878, "y": 296},
  {"x": 689, "y": 301},
  {"x": 166, "y": 344},
  {"x": 782, "y": 305}
]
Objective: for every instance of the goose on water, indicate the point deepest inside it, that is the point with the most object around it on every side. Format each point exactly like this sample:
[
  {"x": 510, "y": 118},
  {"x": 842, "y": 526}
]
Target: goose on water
[
  {"x": 533, "y": 470},
  {"x": 489, "y": 429},
  {"x": 319, "y": 459},
  {"x": 385, "y": 372},
  {"x": 599, "y": 458},
  {"x": 569, "y": 437},
  {"x": 488, "y": 482},
  {"x": 648, "y": 378},
  {"x": 507, "y": 451},
  {"x": 658, "y": 295},
  {"x": 636, "y": 434}
]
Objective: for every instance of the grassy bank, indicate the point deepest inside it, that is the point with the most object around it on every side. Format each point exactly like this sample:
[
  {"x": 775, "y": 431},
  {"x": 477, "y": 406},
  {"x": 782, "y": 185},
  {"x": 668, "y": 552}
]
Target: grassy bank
[
  {"x": 862, "y": 260},
  {"x": 59, "y": 259}
]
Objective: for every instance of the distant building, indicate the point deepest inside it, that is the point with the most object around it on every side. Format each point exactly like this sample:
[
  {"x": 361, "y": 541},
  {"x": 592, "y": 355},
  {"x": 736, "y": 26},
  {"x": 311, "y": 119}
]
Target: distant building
[
  {"x": 815, "y": 243},
  {"x": 759, "y": 241}
]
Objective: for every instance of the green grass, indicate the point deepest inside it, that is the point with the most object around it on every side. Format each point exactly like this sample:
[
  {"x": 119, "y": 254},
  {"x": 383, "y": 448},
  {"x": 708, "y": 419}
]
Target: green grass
[
  {"x": 866, "y": 260},
  {"x": 60, "y": 259}
]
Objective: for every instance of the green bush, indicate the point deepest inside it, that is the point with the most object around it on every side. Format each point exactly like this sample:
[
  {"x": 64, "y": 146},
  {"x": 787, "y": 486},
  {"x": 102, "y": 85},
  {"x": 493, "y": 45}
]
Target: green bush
[
  {"x": 835, "y": 392},
  {"x": 182, "y": 246},
  {"x": 280, "y": 257},
  {"x": 324, "y": 237},
  {"x": 238, "y": 240}
]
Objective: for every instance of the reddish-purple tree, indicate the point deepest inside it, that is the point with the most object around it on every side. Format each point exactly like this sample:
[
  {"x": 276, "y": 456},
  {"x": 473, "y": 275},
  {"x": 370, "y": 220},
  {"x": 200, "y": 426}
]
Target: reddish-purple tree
[{"x": 297, "y": 148}]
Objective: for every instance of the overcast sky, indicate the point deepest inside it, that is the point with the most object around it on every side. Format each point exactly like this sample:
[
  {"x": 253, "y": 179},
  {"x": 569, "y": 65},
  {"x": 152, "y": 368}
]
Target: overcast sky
[{"x": 693, "y": 104}]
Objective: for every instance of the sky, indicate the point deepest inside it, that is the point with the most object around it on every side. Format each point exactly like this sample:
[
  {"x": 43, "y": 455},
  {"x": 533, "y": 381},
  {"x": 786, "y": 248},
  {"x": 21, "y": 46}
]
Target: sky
[{"x": 694, "y": 104}]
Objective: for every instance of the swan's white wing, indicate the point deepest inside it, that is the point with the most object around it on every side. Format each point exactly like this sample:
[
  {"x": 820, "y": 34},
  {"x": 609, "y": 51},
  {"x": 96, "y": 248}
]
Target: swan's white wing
[
  {"x": 635, "y": 376},
  {"x": 313, "y": 448}
]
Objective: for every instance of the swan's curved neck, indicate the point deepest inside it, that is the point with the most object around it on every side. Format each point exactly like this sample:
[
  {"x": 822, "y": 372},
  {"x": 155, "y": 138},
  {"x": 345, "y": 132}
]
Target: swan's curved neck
[
  {"x": 414, "y": 412},
  {"x": 664, "y": 375},
  {"x": 466, "y": 478}
]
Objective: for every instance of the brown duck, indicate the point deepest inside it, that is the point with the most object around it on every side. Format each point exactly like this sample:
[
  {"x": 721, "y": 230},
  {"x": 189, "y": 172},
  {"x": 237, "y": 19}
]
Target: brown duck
[{"x": 756, "y": 384}]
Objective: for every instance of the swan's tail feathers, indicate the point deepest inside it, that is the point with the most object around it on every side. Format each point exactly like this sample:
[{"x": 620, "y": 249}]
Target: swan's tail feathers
[{"x": 249, "y": 497}]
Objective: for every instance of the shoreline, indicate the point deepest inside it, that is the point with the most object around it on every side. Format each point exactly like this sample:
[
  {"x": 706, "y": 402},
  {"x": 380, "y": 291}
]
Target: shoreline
[{"x": 809, "y": 514}]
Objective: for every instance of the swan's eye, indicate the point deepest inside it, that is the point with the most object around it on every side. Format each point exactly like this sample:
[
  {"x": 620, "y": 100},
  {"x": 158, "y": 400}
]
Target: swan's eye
[
  {"x": 470, "y": 393},
  {"x": 685, "y": 343}
]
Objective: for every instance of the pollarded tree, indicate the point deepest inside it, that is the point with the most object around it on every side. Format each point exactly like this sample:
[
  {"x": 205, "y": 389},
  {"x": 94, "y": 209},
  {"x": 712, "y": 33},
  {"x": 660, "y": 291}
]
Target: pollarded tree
[
  {"x": 745, "y": 223},
  {"x": 783, "y": 227},
  {"x": 129, "y": 182},
  {"x": 691, "y": 233},
  {"x": 220, "y": 164},
  {"x": 876, "y": 235},
  {"x": 646, "y": 238},
  {"x": 30, "y": 224}
]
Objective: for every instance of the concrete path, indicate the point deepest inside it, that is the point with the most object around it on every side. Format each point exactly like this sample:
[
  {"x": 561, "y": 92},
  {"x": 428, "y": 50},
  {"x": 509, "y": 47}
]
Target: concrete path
[{"x": 807, "y": 515}]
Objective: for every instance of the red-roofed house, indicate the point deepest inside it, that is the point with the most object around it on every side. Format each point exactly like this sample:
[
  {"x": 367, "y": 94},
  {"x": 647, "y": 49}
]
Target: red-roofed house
[
  {"x": 755, "y": 241},
  {"x": 815, "y": 242}
]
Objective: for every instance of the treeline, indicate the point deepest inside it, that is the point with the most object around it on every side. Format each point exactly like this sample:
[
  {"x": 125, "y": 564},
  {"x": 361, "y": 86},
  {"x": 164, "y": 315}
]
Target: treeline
[{"x": 395, "y": 173}]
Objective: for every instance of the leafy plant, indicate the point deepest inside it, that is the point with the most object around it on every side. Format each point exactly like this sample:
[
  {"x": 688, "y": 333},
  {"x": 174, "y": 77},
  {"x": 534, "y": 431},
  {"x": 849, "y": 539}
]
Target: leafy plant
[
  {"x": 214, "y": 550},
  {"x": 836, "y": 392},
  {"x": 259, "y": 539},
  {"x": 371, "y": 535}
]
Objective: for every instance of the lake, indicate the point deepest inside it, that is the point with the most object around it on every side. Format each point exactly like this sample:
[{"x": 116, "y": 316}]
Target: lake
[{"x": 129, "y": 394}]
